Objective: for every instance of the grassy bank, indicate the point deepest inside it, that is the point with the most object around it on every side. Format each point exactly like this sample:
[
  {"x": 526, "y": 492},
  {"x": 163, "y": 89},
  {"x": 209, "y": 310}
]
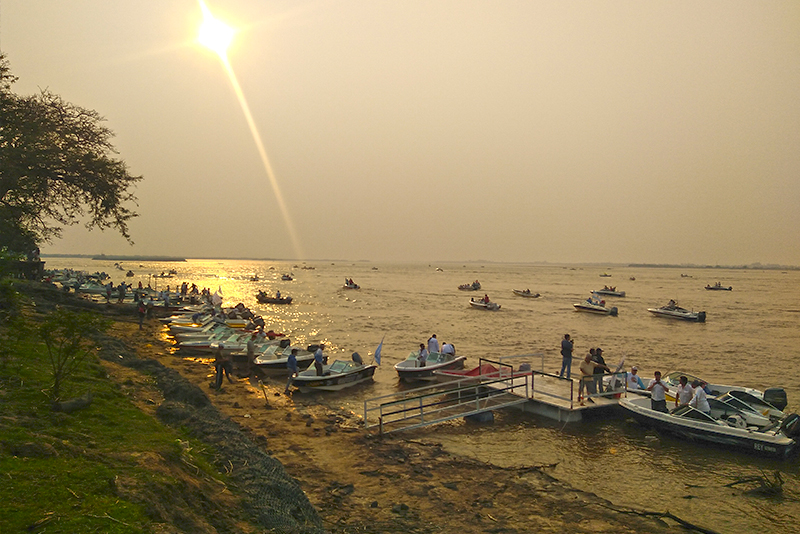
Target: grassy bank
[{"x": 113, "y": 466}]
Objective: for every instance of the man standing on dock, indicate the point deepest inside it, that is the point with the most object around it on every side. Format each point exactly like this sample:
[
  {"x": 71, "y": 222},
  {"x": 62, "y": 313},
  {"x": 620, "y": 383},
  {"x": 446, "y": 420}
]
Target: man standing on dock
[{"x": 566, "y": 356}]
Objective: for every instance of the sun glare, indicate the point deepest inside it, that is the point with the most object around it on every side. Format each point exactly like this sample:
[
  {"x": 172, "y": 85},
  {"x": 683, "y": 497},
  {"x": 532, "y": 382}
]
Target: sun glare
[{"x": 214, "y": 34}]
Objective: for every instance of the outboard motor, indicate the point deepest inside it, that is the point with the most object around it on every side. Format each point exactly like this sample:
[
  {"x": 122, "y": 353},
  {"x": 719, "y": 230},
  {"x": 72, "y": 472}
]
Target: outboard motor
[
  {"x": 791, "y": 426},
  {"x": 285, "y": 342},
  {"x": 701, "y": 317},
  {"x": 613, "y": 312},
  {"x": 776, "y": 397},
  {"x": 357, "y": 358}
]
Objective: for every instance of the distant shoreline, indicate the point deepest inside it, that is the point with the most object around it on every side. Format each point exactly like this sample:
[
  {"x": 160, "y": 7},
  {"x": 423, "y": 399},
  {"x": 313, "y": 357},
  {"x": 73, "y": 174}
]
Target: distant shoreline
[{"x": 752, "y": 266}]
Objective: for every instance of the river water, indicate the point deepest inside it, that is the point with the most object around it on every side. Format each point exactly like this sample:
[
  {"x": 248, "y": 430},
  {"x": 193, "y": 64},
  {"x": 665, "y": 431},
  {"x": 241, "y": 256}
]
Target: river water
[{"x": 751, "y": 337}]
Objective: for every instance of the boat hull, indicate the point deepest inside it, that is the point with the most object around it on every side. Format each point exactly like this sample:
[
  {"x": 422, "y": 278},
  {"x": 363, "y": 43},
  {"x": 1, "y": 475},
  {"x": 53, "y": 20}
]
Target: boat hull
[
  {"x": 333, "y": 382},
  {"x": 599, "y": 310},
  {"x": 698, "y": 317},
  {"x": 409, "y": 373}
]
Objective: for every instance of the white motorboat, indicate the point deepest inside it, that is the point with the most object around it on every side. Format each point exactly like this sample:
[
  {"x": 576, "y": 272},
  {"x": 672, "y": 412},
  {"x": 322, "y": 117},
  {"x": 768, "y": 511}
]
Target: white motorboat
[
  {"x": 725, "y": 425},
  {"x": 271, "y": 360},
  {"x": 525, "y": 293},
  {"x": 765, "y": 401},
  {"x": 673, "y": 311},
  {"x": 410, "y": 369},
  {"x": 593, "y": 305},
  {"x": 483, "y": 305},
  {"x": 338, "y": 375},
  {"x": 474, "y": 286}
]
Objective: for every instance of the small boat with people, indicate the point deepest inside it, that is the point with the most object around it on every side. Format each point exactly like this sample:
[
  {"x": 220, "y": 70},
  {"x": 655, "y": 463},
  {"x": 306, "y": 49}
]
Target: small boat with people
[
  {"x": 264, "y": 298},
  {"x": 596, "y": 306},
  {"x": 349, "y": 284},
  {"x": 338, "y": 375},
  {"x": 673, "y": 311},
  {"x": 484, "y": 304},
  {"x": 609, "y": 291},
  {"x": 411, "y": 369},
  {"x": 719, "y": 287},
  {"x": 287, "y": 277},
  {"x": 763, "y": 400},
  {"x": 474, "y": 286},
  {"x": 724, "y": 424},
  {"x": 525, "y": 293},
  {"x": 271, "y": 360}
]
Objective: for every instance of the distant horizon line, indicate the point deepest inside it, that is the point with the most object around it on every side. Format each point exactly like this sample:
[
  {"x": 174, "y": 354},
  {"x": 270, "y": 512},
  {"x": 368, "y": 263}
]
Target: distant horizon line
[{"x": 115, "y": 257}]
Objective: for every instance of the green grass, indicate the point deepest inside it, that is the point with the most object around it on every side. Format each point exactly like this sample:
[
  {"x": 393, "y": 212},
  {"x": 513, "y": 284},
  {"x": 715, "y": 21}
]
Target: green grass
[{"x": 90, "y": 462}]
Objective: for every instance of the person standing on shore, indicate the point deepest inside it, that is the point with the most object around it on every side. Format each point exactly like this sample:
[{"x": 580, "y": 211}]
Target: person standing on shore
[
  {"x": 567, "y": 345},
  {"x": 319, "y": 359},
  {"x": 291, "y": 365},
  {"x": 658, "y": 393},
  {"x": 142, "y": 311}
]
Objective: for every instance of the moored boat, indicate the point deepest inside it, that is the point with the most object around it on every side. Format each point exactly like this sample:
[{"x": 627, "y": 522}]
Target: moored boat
[
  {"x": 724, "y": 425},
  {"x": 338, "y": 375},
  {"x": 673, "y": 311},
  {"x": 410, "y": 369},
  {"x": 272, "y": 359}
]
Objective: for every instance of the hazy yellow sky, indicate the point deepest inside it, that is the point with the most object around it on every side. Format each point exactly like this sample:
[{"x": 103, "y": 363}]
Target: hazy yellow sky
[{"x": 562, "y": 131}]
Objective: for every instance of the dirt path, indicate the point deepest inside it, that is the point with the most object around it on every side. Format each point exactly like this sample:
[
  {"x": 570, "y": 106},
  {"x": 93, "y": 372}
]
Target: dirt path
[{"x": 359, "y": 482}]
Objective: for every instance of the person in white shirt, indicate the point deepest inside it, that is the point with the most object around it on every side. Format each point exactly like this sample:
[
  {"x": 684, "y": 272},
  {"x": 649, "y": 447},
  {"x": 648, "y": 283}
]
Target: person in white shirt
[
  {"x": 634, "y": 380},
  {"x": 422, "y": 358},
  {"x": 448, "y": 348},
  {"x": 699, "y": 398},
  {"x": 433, "y": 344},
  {"x": 684, "y": 393},
  {"x": 658, "y": 393}
]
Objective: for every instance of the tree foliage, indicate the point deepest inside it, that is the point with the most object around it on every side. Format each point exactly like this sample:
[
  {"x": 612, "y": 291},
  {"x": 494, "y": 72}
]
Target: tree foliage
[
  {"x": 68, "y": 338},
  {"x": 57, "y": 168}
]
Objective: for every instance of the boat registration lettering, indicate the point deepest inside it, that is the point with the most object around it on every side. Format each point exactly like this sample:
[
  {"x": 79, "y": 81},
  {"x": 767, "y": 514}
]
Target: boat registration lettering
[{"x": 761, "y": 447}]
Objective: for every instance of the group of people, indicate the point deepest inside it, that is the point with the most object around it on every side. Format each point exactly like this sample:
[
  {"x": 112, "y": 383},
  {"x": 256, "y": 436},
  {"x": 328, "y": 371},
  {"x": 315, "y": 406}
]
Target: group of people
[
  {"x": 593, "y": 367},
  {"x": 433, "y": 346},
  {"x": 694, "y": 395}
]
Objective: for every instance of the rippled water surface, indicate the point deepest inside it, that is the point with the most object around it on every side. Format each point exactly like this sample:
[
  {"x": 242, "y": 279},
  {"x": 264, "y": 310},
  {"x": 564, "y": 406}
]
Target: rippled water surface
[{"x": 751, "y": 338}]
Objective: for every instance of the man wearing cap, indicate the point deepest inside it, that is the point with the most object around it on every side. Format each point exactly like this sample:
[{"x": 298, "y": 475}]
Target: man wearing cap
[
  {"x": 634, "y": 380},
  {"x": 699, "y": 399}
]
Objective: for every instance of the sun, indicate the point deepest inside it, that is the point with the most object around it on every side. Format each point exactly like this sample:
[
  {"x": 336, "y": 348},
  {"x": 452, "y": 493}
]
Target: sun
[{"x": 214, "y": 34}]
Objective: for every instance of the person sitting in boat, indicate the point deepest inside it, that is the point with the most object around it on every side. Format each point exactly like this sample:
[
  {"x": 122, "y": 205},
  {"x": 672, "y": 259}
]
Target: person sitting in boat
[
  {"x": 422, "y": 358},
  {"x": 486, "y": 298},
  {"x": 448, "y": 348},
  {"x": 278, "y": 294},
  {"x": 671, "y": 305}
]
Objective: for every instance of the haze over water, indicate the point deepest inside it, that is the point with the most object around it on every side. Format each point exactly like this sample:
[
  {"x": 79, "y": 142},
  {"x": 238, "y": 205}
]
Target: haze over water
[{"x": 750, "y": 338}]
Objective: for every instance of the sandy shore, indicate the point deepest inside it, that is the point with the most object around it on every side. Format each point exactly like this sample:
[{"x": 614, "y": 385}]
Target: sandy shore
[{"x": 359, "y": 482}]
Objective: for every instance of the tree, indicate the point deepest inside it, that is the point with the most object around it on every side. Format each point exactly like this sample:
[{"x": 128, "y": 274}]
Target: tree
[{"x": 57, "y": 168}]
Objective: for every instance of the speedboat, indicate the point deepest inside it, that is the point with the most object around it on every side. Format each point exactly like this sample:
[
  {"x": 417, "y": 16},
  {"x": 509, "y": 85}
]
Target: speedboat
[
  {"x": 718, "y": 287},
  {"x": 263, "y": 298},
  {"x": 725, "y": 425},
  {"x": 409, "y": 369},
  {"x": 673, "y": 311},
  {"x": 525, "y": 293},
  {"x": 609, "y": 292},
  {"x": 474, "y": 286},
  {"x": 765, "y": 402},
  {"x": 338, "y": 375},
  {"x": 598, "y": 307},
  {"x": 287, "y": 277},
  {"x": 351, "y": 285},
  {"x": 483, "y": 305}
]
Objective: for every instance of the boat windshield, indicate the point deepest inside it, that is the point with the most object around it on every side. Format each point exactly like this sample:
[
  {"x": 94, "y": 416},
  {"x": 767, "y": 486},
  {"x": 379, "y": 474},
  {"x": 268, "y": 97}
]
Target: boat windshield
[
  {"x": 339, "y": 366},
  {"x": 690, "y": 413}
]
